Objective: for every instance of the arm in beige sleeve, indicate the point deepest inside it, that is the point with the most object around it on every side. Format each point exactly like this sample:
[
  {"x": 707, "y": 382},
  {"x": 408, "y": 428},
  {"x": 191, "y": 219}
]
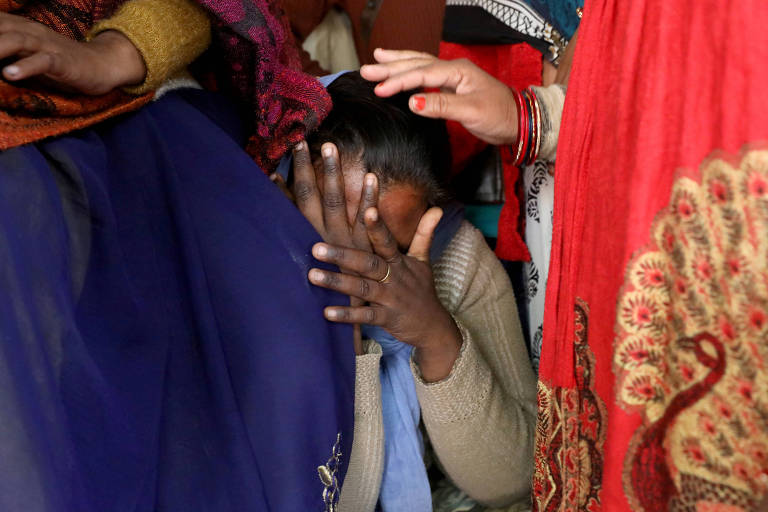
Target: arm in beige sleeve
[
  {"x": 360, "y": 490},
  {"x": 481, "y": 418},
  {"x": 169, "y": 34}
]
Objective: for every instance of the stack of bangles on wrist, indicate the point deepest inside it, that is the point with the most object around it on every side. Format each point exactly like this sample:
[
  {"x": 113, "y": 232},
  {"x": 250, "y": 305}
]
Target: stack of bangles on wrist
[{"x": 528, "y": 127}]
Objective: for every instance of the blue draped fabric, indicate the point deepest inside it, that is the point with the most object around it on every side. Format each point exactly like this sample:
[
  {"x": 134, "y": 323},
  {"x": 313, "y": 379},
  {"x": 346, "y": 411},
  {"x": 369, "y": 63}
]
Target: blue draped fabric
[{"x": 162, "y": 349}]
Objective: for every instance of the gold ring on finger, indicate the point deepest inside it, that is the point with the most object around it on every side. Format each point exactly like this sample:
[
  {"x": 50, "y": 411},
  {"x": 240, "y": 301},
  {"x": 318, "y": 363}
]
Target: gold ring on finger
[{"x": 386, "y": 276}]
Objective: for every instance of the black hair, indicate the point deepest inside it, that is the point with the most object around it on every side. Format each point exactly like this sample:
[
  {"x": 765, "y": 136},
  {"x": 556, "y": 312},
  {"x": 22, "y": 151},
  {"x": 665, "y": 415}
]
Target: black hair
[{"x": 389, "y": 140}]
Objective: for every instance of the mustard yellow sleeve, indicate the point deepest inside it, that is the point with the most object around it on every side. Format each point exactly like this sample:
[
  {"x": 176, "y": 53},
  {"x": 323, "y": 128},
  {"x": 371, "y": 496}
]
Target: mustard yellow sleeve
[{"x": 169, "y": 34}]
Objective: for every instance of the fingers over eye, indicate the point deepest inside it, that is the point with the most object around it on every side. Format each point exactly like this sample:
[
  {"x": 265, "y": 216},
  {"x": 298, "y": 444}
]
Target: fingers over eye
[
  {"x": 364, "y": 263},
  {"x": 384, "y": 244},
  {"x": 370, "y": 315},
  {"x": 334, "y": 204},
  {"x": 305, "y": 185},
  {"x": 365, "y": 289},
  {"x": 369, "y": 198}
]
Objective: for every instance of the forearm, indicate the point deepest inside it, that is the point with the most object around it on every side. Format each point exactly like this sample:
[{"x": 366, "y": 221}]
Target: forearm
[
  {"x": 131, "y": 70},
  {"x": 436, "y": 357},
  {"x": 481, "y": 418},
  {"x": 482, "y": 436},
  {"x": 168, "y": 34}
]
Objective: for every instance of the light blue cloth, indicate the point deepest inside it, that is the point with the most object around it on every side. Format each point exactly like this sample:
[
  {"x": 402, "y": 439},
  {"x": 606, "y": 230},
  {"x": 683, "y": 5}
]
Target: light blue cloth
[{"x": 404, "y": 484}]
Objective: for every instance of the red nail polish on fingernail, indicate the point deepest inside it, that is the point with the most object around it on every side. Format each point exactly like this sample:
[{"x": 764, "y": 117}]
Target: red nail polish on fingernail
[{"x": 419, "y": 102}]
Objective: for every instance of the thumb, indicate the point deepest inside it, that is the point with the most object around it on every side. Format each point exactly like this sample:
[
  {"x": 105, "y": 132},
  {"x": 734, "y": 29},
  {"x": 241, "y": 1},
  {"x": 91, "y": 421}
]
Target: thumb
[
  {"x": 425, "y": 231},
  {"x": 443, "y": 105}
]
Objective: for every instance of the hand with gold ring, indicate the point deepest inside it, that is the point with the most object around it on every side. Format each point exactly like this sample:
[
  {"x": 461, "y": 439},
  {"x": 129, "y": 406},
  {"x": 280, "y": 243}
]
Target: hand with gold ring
[{"x": 398, "y": 291}]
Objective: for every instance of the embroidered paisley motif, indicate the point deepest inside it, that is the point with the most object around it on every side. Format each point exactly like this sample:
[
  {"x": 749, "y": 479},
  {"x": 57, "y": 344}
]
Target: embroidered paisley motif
[{"x": 691, "y": 346}]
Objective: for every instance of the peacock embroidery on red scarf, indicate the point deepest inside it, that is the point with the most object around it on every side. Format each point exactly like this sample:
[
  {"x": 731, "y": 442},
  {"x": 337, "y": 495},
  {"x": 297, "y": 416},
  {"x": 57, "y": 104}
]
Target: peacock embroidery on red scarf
[
  {"x": 692, "y": 344},
  {"x": 570, "y": 434}
]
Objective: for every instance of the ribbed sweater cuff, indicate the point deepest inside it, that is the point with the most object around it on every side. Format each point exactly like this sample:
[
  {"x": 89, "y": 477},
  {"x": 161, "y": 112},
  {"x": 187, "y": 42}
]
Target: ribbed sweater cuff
[
  {"x": 367, "y": 387},
  {"x": 463, "y": 392}
]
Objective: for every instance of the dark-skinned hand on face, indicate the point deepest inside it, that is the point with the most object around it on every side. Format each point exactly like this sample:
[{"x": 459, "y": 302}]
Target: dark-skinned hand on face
[
  {"x": 327, "y": 210},
  {"x": 388, "y": 288},
  {"x": 32, "y": 50}
]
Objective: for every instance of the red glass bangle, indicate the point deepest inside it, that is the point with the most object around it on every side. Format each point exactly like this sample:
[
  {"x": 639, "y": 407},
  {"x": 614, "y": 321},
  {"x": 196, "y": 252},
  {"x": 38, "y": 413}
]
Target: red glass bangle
[
  {"x": 520, "y": 125},
  {"x": 531, "y": 128}
]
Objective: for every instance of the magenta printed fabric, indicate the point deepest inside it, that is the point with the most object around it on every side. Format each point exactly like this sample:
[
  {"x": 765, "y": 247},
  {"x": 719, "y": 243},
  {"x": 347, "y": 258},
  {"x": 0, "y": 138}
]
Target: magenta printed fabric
[{"x": 257, "y": 61}]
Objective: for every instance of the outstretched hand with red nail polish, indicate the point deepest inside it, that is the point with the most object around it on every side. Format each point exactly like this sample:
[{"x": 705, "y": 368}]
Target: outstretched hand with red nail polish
[{"x": 469, "y": 95}]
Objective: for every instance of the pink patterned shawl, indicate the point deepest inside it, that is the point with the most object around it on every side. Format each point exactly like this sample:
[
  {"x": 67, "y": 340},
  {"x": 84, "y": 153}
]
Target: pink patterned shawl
[{"x": 257, "y": 62}]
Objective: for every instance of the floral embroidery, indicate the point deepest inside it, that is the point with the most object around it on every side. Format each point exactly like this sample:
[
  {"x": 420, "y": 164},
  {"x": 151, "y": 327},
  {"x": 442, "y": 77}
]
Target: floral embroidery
[
  {"x": 569, "y": 436},
  {"x": 328, "y": 474},
  {"x": 690, "y": 352}
]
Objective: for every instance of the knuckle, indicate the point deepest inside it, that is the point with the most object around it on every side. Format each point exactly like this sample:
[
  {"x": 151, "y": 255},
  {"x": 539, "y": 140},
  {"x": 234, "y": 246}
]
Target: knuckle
[
  {"x": 441, "y": 104},
  {"x": 333, "y": 200},
  {"x": 330, "y": 166},
  {"x": 372, "y": 263},
  {"x": 303, "y": 191},
  {"x": 369, "y": 316},
  {"x": 15, "y": 38},
  {"x": 301, "y": 159},
  {"x": 396, "y": 259},
  {"x": 28, "y": 41},
  {"x": 55, "y": 63},
  {"x": 331, "y": 279},
  {"x": 343, "y": 314},
  {"x": 50, "y": 63},
  {"x": 364, "y": 288}
]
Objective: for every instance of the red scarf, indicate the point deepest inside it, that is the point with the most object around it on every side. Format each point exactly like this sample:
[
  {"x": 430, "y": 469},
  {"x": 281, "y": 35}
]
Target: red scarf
[{"x": 654, "y": 372}]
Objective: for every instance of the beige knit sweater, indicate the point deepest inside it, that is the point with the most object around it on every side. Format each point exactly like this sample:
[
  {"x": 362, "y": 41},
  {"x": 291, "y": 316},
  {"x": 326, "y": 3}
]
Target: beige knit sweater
[{"x": 480, "y": 419}]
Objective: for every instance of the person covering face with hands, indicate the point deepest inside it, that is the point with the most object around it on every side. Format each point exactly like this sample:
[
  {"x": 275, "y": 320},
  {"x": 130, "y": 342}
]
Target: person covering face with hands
[{"x": 369, "y": 182}]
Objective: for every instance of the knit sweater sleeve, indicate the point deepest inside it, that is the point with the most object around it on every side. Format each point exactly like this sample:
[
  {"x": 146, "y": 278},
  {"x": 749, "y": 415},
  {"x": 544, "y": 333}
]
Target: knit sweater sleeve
[
  {"x": 481, "y": 418},
  {"x": 169, "y": 34},
  {"x": 360, "y": 490}
]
